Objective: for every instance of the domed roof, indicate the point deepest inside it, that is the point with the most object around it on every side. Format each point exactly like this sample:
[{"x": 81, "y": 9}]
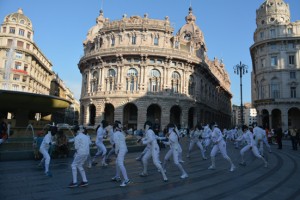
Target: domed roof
[
  {"x": 95, "y": 29},
  {"x": 273, "y": 12},
  {"x": 190, "y": 32},
  {"x": 18, "y": 18}
]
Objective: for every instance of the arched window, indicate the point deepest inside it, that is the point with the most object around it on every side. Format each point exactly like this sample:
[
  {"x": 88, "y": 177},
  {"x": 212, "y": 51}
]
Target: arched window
[
  {"x": 132, "y": 80},
  {"x": 154, "y": 81},
  {"x": 191, "y": 86},
  {"x": 175, "y": 82},
  {"x": 110, "y": 80},
  {"x": 94, "y": 82}
]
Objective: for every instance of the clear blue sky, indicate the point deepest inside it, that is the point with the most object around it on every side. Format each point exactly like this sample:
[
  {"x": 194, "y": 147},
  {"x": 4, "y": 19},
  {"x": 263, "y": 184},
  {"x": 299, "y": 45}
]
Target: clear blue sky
[{"x": 60, "y": 27}]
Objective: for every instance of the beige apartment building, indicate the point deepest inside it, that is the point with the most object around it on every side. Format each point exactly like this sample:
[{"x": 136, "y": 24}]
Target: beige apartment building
[
  {"x": 276, "y": 66},
  {"x": 134, "y": 69},
  {"x": 23, "y": 66}
]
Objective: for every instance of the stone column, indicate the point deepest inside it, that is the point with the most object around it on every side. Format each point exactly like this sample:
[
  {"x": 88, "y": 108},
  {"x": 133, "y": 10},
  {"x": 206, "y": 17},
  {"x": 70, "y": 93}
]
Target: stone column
[{"x": 284, "y": 120}]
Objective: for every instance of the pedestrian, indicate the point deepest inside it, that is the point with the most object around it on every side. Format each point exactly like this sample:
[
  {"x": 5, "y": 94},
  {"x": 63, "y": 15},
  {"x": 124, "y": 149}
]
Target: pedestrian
[
  {"x": 195, "y": 139},
  {"x": 151, "y": 142},
  {"x": 250, "y": 145},
  {"x": 62, "y": 144},
  {"x": 120, "y": 150},
  {"x": 3, "y": 130},
  {"x": 278, "y": 134},
  {"x": 294, "y": 139},
  {"x": 44, "y": 149},
  {"x": 82, "y": 148},
  {"x": 101, "y": 149},
  {"x": 175, "y": 149},
  {"x": 218, "y": 145}
]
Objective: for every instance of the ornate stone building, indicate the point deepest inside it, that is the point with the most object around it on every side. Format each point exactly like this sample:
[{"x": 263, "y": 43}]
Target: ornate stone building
[
  {"x": 134, "y": 69},
  {"x": 23, "y": 66},
  {"x": 276, "y": 66}
]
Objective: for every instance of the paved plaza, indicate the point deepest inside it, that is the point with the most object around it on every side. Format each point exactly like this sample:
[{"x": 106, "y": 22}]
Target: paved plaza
[{"x": 22, "y": 180}]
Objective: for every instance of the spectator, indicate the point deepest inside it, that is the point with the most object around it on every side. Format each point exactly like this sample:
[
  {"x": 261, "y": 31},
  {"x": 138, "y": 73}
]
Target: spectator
[
  {"x": 62, "y": 144},
  {"x": 293, "y": 133},
  {"x": 278, "y": 134},
  {"x": 3, "y": 130}
]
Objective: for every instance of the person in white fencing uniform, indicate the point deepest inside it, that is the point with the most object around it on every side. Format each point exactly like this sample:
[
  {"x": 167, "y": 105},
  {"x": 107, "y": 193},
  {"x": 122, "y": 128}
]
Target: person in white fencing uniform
[
  {"x": 120, "y": 150},
  {"x": 251, "y": 145},
  {"x": 195, "y": 139},
  {"x": 206, "y": 137},
  {"x": 101, "y": 133},
  {"x": 82, "y": 148},
  {"x": 173, "y": 141},
  {"x": 44, "y": 149},
  {"x": 260, "y": 138},
  {"x": 153, "y": 150},
  {"x": 218, "y": 145}
]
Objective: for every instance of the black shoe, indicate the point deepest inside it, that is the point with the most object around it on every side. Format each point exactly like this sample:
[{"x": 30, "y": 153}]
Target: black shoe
[{"x": 83, "y": 184}]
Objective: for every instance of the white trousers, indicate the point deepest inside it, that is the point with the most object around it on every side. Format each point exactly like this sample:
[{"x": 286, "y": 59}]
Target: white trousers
[
  {"x": 120, "y": 165},
  {"x": 77, "y": 164},
  {"x": 46, "y": 158},
  {"x": 198, "y": 143},
  {"x": 101, "y": 151}
]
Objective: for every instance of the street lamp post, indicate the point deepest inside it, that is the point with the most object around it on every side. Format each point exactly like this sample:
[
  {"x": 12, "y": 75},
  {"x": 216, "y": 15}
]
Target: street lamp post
[{"x": 241, "y": 69}]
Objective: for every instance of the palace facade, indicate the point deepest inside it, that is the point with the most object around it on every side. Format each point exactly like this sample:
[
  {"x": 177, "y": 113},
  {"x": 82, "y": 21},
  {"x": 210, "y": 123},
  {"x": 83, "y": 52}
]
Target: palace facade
[
  {"x": 276, "y": 66},
  {"x": 134, "y": 69}
]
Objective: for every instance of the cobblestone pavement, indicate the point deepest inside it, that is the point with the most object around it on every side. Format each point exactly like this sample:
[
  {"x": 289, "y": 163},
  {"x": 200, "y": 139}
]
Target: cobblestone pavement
[{"x": 22, "y": 180}]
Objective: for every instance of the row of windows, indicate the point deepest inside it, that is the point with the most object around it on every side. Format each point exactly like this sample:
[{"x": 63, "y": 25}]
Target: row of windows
[
  {"x": 133, "y": 40},
  {"x": 274, "y": 46},
  {"x": 274, "y": 61},
  {"x": 272, "y": 33},
  {"x": 154, "y": 83},
  {"x": 20, "y": 44},
  {"x": 21, "y": 32},
  {"x": 273, "y": 91}
]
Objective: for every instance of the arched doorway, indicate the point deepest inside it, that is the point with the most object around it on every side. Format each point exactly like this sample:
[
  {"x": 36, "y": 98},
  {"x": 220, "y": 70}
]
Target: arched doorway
[
  {"x": 265, "y": 119},
  {"x": 294, "y": 118},
  {"x": 276, "y": 118},
  {"x": 175, "y": 114},
  {"x": 92, "y": 110},
  {"x": 191, "y": 117},
  {"x": 130, "y": 113},
  {"x": 109, "y": 113},
  {"x": 153, "y": 112}
]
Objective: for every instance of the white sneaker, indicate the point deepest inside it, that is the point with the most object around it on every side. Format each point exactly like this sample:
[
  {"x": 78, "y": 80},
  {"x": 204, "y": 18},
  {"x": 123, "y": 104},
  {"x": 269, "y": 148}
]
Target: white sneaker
[
  {"x": 181, "y": 161},
  {"x": 125, "y": 183},
  {"x": 232, "y": 168},
  {"x": 183, "y": 176},
  {"x": 212, "y": 167}
]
